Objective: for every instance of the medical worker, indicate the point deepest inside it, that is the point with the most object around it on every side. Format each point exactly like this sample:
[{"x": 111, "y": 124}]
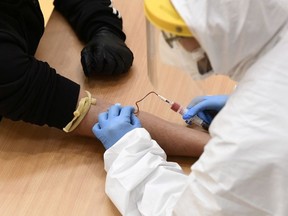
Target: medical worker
[{"x": 243, "y": 169}]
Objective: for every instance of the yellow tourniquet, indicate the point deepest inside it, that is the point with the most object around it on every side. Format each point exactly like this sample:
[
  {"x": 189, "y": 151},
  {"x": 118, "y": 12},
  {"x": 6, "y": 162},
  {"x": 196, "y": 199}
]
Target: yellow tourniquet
[{"x": 80, "y": 112}]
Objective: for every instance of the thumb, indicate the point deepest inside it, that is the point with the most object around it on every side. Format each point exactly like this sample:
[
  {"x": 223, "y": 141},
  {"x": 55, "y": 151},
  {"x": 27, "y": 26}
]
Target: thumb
[
  {"x": 194, "y": 110},
  {"x": 196, "y": 100}
]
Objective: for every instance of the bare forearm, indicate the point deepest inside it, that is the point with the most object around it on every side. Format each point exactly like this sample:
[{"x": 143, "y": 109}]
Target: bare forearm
[{"x": 174, "y": 139}]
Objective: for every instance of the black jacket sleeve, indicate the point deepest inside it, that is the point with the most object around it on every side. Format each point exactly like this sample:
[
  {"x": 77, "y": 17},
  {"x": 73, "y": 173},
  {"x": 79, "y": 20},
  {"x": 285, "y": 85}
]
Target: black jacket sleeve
[
  {"x": 30, "y": 90},
  {"x": 87, "y": 16}
]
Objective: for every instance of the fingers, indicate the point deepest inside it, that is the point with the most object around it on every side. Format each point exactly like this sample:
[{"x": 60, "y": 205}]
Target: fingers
[
  {"x": 106, "y": 54},
  {"x": 124, "y": 114},
  {"x": 96, "y": 128},
  {"x": 114, "y": 111},
  {"x": 194, "y": 110},
  {"x": 118, "y": 110},
  {"x": 127, "y": 113},
  {"x": 135, "y": 121},
  {"x": 118, "y": 59},
  {"x": 91, "y": 61},
  {"x": 119, "y": 62},
  {"x": 104, "y": 62},
  {"x": 205, "y": 117},
  {"x": 102, "y": 117},
  {"x": 195, "y": 101},
  {"x": 109, "y": 62},
  {"x": 126, "y": 58}
]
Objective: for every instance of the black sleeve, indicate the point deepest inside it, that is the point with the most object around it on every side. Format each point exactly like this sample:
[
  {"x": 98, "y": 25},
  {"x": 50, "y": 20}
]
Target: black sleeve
[
  {"x": 32, "y": 91},
  {"x": 87, "y": 16}
]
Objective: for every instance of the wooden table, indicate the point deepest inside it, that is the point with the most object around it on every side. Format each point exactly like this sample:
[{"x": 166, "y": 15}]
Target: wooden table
[{"x": 44, "y": 171}]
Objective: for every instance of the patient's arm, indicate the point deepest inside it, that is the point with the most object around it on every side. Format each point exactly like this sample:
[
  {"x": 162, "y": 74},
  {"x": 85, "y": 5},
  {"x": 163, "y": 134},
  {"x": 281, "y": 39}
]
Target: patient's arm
[{"x": 174, "y": 139}]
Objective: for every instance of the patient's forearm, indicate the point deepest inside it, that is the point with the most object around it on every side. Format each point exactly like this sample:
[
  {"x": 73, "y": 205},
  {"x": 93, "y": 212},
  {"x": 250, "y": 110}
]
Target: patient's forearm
[{"x": 174, "y": 139}]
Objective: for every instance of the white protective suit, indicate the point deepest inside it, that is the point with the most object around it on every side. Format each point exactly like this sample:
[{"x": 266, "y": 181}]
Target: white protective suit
[{"x": 244, "y": 167}]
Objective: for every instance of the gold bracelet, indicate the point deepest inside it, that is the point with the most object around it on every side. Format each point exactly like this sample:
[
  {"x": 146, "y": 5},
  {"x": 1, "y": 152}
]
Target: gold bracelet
[{"x": 80, "y": 112}]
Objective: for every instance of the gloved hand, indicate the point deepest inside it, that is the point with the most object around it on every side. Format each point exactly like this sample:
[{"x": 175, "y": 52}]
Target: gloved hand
[
  {"x": 205, "y": 107},
  {"x": 114, "y": 124},
  {"x": 106, "y": 54}
]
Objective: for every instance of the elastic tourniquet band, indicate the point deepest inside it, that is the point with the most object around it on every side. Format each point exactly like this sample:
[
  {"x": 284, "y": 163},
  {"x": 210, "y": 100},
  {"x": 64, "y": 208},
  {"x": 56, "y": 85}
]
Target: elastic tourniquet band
[{"x": 80, "y": 112}]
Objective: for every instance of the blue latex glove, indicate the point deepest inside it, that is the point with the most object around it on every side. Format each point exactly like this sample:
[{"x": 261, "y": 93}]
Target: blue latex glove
[
  {"x": 205, "y": 107},
  {"x": 114, "y": 124}
]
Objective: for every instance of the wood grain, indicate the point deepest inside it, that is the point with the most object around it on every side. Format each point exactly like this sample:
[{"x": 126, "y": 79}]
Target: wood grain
[{"x": 46, "y": 172}]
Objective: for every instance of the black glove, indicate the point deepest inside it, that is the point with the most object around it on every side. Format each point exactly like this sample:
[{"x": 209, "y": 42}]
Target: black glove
[{"x": 107, "y": 54}]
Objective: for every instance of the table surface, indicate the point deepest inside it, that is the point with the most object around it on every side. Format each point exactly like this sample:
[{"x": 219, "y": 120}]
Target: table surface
[{"x": 44, "y": 171}]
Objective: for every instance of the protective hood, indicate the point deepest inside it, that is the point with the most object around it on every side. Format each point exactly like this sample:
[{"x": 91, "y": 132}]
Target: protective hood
[{"x": 234, "y": 33}]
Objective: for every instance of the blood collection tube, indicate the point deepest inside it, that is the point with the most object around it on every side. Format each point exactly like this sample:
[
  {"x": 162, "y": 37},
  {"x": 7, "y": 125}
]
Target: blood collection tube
[
  {"x": 195, "y": 119},
  {"x": 176, "y": 107}
]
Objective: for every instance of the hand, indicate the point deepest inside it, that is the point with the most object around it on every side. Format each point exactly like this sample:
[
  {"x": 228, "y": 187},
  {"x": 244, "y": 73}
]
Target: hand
[
  {"x": 106, "y": 54},
  {"x": 114, "y": 124},
  {"x": 205, "y": 107}
]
